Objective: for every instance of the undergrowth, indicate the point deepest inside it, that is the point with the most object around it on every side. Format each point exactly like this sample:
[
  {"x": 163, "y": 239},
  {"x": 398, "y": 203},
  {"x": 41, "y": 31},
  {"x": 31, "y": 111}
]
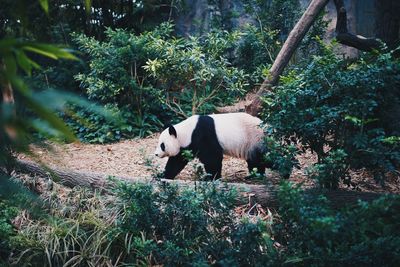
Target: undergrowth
[{"x": 159, "y": 224}]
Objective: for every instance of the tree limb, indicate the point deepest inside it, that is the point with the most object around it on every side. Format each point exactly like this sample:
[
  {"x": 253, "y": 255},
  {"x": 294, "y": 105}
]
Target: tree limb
[
  {"x": 344, "y": 37},
  {"x": 289, "y": 47}
]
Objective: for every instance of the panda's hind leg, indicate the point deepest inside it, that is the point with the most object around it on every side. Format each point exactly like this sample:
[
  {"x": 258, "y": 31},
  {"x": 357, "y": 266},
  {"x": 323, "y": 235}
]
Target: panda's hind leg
[
  {"x": 257, "y": 161},
  {"x": 251, "y": 165}
]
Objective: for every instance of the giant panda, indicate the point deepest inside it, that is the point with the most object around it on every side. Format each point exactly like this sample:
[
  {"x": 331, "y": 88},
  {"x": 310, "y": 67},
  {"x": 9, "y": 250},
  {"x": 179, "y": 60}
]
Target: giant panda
[{"x": 209, "y": 137}]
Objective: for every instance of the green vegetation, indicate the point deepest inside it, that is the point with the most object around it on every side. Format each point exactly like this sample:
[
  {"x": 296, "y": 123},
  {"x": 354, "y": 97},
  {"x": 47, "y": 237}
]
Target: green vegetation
[
  {"x": 343, "y": 111},
  {"x": 122, "y": 72},
  {"x": 153, "y": 77},
  {"x": 316, "y": 235},
  {"x": 141, "y": 226}
]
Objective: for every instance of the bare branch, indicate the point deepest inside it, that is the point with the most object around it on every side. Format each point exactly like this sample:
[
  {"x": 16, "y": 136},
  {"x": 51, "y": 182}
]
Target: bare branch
[
  {"x": 344, "y": 37},
  {"x": 178, "y": 110},
  {"x": 289, "y": 47}
]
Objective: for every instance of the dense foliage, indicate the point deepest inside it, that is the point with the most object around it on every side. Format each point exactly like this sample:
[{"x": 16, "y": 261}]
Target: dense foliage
[
  {"x": 141, "y": 225},
  {"x": 344, "y": 111},
  {"x": 316, "y": 235},
  {"x": 27, "y": 17},
  {"x": 145, "y": 76},
  {"x": 153, "y": 77}
]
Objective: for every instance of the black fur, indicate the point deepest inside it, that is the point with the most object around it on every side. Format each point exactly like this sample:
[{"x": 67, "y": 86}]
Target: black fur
[
  {"x": 205, "y": 146},
  {"x": 172, "y": 131},
  {"x": 257, "y": 160},
  {"x": 174, "y": 166}
]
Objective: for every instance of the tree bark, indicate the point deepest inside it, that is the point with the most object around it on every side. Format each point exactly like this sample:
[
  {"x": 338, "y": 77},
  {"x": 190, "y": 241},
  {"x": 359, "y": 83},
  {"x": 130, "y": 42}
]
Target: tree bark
[
  {"x": 8, "y": 100},
  {"x": 247, "y": 193},
  {"x": 388, "y": 22},
  {"x": 344, "y": 37},
  {"x": 286, "y": 52}
]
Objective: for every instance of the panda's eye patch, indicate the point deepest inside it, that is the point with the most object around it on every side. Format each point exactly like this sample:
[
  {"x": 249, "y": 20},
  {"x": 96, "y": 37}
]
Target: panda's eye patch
[{"x": 162, "y": 147}]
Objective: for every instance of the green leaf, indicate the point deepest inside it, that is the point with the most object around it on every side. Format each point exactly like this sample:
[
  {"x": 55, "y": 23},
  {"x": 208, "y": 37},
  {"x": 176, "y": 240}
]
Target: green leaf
[
  {"x": 40, "y": 51},
  {"x": 88, "y": 4},
  {"x": 49, "y": 51},
  {"x": 6, "y": 44},
  {"x": 391, "y": 140},
  {"x": 292, "y": 260},
  {"x": 354, "y": 120},
  {"x": 41, "y": 110},
  {"x": 50, "y": 118},
  {"x": 25, "y": 62},
  {"x": 63, "y": 53},
  {"x": 11, "y": 65},
  {"x": 45, "y": 5}
]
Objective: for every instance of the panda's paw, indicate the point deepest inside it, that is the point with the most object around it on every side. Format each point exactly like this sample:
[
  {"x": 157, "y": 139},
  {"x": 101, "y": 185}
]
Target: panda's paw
[{"x": 255, "y": 176}]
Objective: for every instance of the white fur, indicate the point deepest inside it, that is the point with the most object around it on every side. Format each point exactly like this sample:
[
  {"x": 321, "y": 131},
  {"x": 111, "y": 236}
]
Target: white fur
[
  {"x": 173, "y": 145},
  {"x": 238, "y": 134}
]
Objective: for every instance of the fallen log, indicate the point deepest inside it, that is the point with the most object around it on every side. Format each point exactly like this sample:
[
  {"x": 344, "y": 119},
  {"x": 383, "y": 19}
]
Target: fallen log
[{"x": 247, "y": 193}]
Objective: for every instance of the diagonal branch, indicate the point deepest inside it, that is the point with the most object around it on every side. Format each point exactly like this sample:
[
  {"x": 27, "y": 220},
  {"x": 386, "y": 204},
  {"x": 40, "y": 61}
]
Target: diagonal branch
[{"x": 296, "y": 35}]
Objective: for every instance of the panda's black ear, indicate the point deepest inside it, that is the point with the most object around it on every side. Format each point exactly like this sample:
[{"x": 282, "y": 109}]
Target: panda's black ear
[{"x": 172, "y": 131}]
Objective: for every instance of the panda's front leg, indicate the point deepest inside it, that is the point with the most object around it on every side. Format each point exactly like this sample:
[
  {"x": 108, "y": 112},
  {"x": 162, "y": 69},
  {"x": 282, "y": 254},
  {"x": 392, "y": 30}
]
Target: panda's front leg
[{"x": 174, "y": 166}]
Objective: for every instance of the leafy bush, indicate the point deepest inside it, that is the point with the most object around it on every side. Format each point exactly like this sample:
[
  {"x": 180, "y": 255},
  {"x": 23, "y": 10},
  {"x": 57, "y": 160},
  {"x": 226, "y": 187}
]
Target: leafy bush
[
  {"x": 142, "y": 225},
  {"x": 116, "y": 79},
  {"x": 330, "y": 169},
  {"x": 7, "y": 213},
  {"x": 152, "y": 77},
  {"x": 316, "y": 235},
  {"x": 200, "y": 219},
  {"x": 282, "y": 156},
  {"x": 195, "y": 74},
  {"x": 338, "y": 105},
  {"x": 255, "y": 52},
  {"x": 96, "y": 128}
]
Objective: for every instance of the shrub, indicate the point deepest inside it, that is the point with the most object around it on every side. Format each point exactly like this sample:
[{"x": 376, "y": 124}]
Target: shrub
[
  {"x": 330, "y": 169},
  {"x": 7, "y": 213},
  {"x": 153, "y": 77},
  {"x": 116, "y": 80},
  {"x": 282, "y": 156},
  {"x": 200, "y": 219},
  {"x": 334, "y": 104},
  {"x": 255, "y": 52},
  {"x": 142, "y": 225},
  {"x": 316, "y": 235},
  {"x": 194, "y": 74}
]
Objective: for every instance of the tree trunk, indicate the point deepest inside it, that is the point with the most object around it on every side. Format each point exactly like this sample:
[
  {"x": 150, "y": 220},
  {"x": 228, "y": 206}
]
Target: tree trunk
[
  {"x": 387, "y": 28},
  {"x": 7, "y": 123},
  {"x": 388, "y": 22},
  {"x": 286, "y": 52},
  {"x": 261, "y": 194}
]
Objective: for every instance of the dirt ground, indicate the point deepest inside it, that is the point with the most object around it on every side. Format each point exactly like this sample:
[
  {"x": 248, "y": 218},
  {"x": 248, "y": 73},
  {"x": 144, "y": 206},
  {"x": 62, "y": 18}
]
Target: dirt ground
[{"x": 131, "y": 158}]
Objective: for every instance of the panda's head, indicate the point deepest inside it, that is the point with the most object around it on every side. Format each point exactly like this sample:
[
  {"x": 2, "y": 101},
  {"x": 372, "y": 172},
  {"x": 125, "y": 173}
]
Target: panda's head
[{"x": 168, "y": 145}]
